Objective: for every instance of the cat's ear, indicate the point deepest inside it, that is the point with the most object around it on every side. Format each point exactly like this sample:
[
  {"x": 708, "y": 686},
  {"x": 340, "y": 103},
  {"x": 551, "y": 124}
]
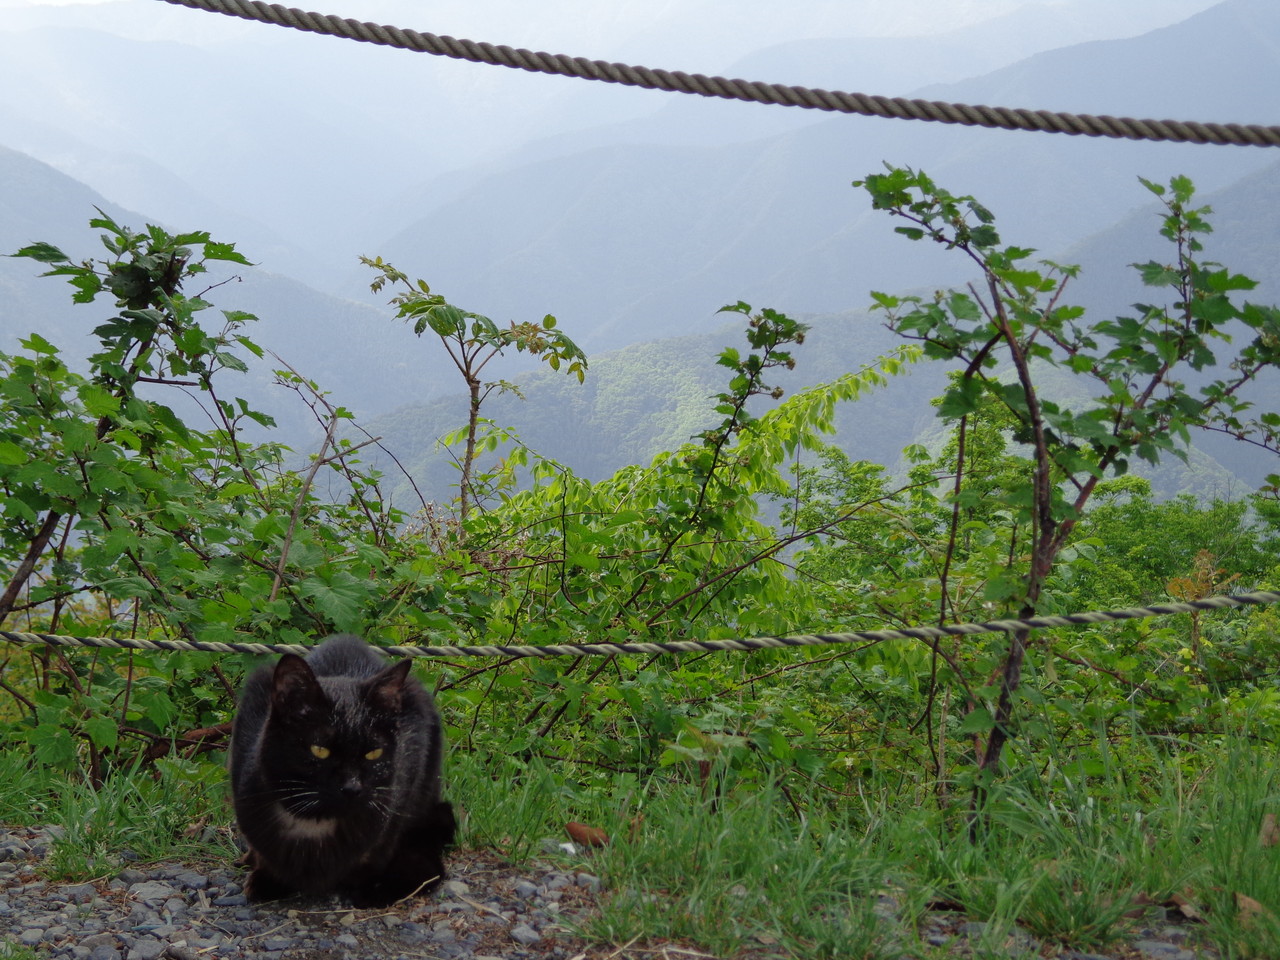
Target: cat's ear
[
  {"x": 386, "y": 689},
  {"x": 295, "y": 692}
]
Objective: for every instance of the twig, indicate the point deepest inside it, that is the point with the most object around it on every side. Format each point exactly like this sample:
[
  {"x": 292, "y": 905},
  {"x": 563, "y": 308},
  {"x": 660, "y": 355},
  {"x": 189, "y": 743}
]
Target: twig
[{"x": 297, "y": 509}]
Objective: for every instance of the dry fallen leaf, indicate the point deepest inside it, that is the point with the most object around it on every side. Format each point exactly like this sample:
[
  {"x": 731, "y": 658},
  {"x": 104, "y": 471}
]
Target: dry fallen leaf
[
  {"x": 1140, "y": 903},
  {"x": 1248, "y": 909},
  {"x": 587, "y": 836},
  {"x": 1269, "y": 835},
  {"x": 1184, "y": 908},
  {"x": 1176, "y": 906}
]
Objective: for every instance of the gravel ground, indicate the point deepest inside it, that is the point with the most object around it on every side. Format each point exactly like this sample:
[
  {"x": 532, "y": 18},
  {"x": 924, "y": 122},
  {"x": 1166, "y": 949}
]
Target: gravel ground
[{"x": 487, "y": 909}]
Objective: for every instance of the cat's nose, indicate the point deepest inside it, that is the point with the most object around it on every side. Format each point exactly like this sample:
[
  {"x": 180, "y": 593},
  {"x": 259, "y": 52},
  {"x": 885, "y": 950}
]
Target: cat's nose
[{"x": 351, "y": 788}]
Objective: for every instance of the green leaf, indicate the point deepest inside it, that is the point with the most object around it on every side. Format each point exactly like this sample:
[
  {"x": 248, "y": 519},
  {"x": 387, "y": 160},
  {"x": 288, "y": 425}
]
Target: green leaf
[
  {"x": 1157, "y": 274},
  {"x": 978, "y": 720},
  {"x": 53, "y": 745},
  {"x": 984, "y": 236},
  {"x": 587, "y": 561},
  {"x": 1156, "y": 188},
  {"x": 12, "y": 455},
  {"x": 962, "y": 399},
  {"x": 224, "y": 251},
  {"x": 339, "y": 596},
  {"x": 446, "y": 320},
  {"x": 43, "y": 252},
  {"x": 103, "y": 731},
  {"x": 98, "y": 400},
  {"x": 38, "y": 344},
  {"x": 982, "y": 213}
]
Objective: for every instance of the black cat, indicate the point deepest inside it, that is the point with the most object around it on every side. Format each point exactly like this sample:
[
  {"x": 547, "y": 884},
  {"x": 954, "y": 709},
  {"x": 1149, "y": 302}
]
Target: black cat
[{"x": 335, "y": 773}]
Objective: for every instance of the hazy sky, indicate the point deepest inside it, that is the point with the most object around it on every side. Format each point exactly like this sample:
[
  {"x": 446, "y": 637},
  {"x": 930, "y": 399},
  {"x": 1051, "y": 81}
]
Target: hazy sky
[{"x": 695, "y": 31}]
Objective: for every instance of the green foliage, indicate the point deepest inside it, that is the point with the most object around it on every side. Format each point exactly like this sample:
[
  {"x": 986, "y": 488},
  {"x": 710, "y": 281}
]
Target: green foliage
[
  {"x": 121, "y": 517},
  {"x": 754, "y": 771},
  {"x": 1013, "y": 323},
  {"x": 472, "y": 341}
]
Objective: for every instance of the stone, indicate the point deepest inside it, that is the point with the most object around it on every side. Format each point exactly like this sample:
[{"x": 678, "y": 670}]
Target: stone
[
  {"x": 146, "y": 948},
  {"x": 190, "y": 880},
  {"x": 1162, "y": 950},
  {"x": 152, "y": 891},
  {"x": 455, "y": 888},
  {"x": 413, "y": 933},
  {"x": 524, "y": 889},
  {"x": 31, "y": 936},
  {"x": 524, "y": 934},
  {"x": 80, "y": 892}
]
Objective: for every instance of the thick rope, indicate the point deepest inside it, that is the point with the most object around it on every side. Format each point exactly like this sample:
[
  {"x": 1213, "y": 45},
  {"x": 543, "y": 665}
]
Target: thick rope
[
  {"x": 898, "y": 108},
  {"x": 684, "y": 646}
]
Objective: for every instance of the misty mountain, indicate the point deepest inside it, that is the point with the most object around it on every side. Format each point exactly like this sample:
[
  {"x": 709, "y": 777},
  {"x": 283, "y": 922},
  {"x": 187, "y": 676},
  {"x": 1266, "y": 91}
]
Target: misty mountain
[
  {"x": 310, "y": 150},
  {"x": 638, "y": 225},
  {"x": 639, "y": 240},
  {"x": 645, "y": 398},
  {"x": 369, "y": 360},
  {"x": 886, "y": 65},
  {"x": 648, "y": 397}
]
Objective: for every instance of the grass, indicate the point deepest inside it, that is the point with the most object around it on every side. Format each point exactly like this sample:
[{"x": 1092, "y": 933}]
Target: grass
[
  {"x": 761, "y": 869},
  {"x": 1081, "y": 862},
  {"x": 746, "y": 873},
  {"x": 24, "y": 792},
  {"x": 172, "y": 811}
]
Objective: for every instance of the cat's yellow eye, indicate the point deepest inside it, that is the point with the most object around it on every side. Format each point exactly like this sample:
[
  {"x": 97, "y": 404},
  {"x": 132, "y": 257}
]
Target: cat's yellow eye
[
  {"x": 373, "y": 754},
  {"x": 319, "y": 752}
]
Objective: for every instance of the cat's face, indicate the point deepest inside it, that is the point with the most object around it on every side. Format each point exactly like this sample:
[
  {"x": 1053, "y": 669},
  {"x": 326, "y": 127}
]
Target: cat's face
[{"x": 331, "y": 745}]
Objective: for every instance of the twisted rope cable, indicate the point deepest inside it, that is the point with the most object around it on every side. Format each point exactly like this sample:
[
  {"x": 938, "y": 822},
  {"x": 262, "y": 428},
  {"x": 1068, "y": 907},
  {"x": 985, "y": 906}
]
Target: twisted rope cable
[
  {"x": 898, "y": 108},
  {"x": 684, "y": 646}
]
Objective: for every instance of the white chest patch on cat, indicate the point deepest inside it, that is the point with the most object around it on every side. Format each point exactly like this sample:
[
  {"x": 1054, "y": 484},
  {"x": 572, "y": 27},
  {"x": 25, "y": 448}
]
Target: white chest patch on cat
[{"x": 299, "y": 829}]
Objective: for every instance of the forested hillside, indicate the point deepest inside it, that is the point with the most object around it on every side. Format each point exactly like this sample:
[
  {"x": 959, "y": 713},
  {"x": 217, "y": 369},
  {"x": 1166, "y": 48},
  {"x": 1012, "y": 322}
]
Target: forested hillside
[{"x": 646, "y": 398}]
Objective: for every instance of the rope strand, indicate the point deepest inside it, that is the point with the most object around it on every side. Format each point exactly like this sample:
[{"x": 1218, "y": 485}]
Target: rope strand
[
  {"x": 897, "y": 108},
  {"x": 683, "y": 646}
]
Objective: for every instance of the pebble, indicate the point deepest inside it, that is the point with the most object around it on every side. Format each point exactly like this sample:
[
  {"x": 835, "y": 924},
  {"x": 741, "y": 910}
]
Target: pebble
[
  {"x": 176, "y": 911},
  {"x": 485, "y": 911},
  {"x": 1162, "y": 950},
  {"x": 523, "y": 933}
]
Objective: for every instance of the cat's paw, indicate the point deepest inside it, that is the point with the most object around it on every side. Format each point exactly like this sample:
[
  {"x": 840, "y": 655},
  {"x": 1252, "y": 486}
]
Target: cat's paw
[{"x": 262, "y": 885}]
